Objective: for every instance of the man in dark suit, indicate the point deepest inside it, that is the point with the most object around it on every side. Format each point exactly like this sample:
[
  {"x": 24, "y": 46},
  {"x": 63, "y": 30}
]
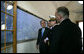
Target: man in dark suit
[
  {"x": 53, "y": 24},
  {"x": 67, "y": 37},
  {"x": 42, "y": 35}
]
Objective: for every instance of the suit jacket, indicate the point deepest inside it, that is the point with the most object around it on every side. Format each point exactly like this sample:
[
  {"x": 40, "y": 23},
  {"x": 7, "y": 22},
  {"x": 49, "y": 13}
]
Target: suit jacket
[
  {"x": 66, "y": 38},
  {"x": 40, "y": 39}
]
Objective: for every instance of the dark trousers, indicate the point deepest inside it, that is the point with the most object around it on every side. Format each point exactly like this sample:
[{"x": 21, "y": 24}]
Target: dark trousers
[{"x": 43, "y": 48}]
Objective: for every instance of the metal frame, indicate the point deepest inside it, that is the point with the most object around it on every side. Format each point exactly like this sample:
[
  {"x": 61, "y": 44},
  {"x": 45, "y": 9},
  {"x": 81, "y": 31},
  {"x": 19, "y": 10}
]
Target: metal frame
[{"x": 14, "y": 28}]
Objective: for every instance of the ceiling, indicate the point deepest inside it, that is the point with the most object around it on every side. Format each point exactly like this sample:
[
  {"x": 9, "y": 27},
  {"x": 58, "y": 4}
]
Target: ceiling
[{"x": 46, "y": 8}]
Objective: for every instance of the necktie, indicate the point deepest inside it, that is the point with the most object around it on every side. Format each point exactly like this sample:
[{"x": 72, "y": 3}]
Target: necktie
[{"x": 42, "y": 31}]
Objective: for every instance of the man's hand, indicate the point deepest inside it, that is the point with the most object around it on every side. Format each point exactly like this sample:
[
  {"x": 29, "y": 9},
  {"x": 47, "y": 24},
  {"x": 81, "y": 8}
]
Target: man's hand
[
  {"x": 37, "y": 46},
  {"x": 46, "y": 39}
]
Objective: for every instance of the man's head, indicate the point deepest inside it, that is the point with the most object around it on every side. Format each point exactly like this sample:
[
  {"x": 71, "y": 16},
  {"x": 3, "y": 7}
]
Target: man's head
[
  {"x": 61, "y": 13},
  {"x": 52, "y": 21},
  {"x": 48, "y": 24},
  {"x": 43, "y": 23}
]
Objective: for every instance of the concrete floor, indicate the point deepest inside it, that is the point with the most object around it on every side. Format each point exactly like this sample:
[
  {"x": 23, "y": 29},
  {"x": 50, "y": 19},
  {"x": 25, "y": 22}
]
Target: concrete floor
[{"x": 25, "y": 47}]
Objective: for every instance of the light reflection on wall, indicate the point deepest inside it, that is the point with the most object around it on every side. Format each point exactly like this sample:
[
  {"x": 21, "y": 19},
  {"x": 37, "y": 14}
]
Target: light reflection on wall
[{"x": 81, "y": 27}]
